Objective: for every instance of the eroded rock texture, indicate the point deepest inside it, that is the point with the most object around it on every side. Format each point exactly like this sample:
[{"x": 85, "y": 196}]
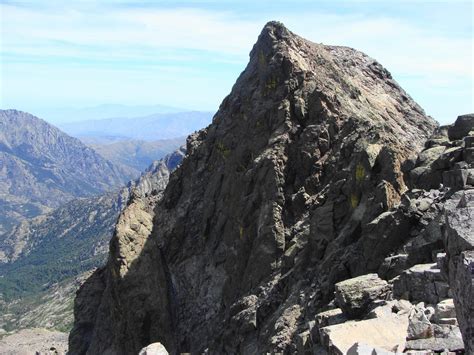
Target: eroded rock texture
[
  {"x": 459, "y": 240},
  {"x": 297, "y": 184}
]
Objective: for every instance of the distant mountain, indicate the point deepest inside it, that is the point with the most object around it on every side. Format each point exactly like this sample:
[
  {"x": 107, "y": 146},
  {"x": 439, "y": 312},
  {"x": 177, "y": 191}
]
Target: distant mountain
[
  {"x": 148, "y": 128},
  {"x": 42, "y": 260},
  {"x": 137, "y": 155},
  {"x": 42, "y": 168},
  {"x": 103, "y": 111}
]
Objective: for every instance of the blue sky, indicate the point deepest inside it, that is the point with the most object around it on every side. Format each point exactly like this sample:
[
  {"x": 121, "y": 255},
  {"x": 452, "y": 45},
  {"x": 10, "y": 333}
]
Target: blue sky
[{"x": 188, "y": 54}]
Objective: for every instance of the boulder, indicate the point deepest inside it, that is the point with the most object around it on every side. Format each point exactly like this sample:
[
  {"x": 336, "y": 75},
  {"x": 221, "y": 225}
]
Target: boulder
[
  {"x": 419, "y": 326},
  {"x": 461, "y": 128},
  {"x": 469, "y": 142},
  {"x": 455, "y": 179},
  {"x": 428, "y": 156},
  {"x": 388, "y": 333},
  {"x": 421, "y": 283},
  {"x": 445, "y": 309},
  {"x": 331, "y": 317},
  {"x": 354, "y": 296},
  {"x": 468, "y": 155},
  {"x": 448, "y": 158},
  {"x": 154, "y": 349},
  {"x": 393, "y": 266},
  {"x": 436, "y": 344}
]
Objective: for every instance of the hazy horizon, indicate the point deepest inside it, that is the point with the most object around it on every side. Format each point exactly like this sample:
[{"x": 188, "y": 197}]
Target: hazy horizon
[{"x": 188, "y": 54}]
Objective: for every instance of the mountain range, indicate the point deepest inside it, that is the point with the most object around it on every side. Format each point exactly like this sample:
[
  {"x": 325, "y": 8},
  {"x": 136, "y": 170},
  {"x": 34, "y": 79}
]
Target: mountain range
[
  {"x": 68, "y": 114},
  {"x": 41, "y": 168},
  {"x": 149, "y": 128},
  {"x": 135, "y": 155}
]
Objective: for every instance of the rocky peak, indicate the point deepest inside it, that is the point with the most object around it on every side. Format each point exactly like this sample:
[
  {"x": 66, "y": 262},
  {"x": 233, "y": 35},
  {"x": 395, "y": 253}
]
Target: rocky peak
[{"x": 285, "y": 194}]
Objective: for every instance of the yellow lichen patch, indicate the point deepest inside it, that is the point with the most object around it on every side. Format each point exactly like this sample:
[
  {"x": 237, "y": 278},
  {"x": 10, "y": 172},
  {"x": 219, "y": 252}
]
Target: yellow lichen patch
[
  {"x": 223, "y": 150},
  {"x": 241, "y": 232},
  {"x": 360, "y": 172},
  {"x": 354, "y": 200},
  {"x": 271, "y": 84}
]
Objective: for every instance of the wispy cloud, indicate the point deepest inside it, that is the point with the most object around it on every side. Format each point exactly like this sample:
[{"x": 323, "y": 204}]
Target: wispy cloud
[{"x": 89, "y": 43}]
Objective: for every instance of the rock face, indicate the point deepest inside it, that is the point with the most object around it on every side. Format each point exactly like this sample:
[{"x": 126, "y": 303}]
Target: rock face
[
  {"x": 41, "y": 168},
  {"x": 290, "y": 190},
  {"x": 459, "y": 239}
]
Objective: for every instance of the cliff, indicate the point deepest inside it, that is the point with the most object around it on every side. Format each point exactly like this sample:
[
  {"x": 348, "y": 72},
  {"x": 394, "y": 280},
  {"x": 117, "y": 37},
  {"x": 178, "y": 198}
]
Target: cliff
[{"x": 301, "y": 182}]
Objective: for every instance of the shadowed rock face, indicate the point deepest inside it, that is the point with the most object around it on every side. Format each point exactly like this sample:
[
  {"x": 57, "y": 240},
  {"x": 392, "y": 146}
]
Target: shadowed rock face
[{"x": 285, "y": 194}]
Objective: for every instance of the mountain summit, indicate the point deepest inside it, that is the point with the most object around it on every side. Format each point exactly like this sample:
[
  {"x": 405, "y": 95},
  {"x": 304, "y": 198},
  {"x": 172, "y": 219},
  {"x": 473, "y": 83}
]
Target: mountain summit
[
  {"x": 42, "y": 168},
  {"x": 273, "y": 205}
]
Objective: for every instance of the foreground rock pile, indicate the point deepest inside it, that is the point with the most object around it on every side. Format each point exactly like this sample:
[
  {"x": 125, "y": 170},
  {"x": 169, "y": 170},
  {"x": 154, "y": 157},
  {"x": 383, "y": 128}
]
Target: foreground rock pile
[
  {"x": 303, "y": 219},
  {"x": 413, "y": 309}
]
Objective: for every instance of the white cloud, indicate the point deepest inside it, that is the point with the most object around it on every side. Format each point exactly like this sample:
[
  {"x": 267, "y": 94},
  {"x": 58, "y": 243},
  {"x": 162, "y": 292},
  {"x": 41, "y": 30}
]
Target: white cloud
[{"x": 190, "y": 40}]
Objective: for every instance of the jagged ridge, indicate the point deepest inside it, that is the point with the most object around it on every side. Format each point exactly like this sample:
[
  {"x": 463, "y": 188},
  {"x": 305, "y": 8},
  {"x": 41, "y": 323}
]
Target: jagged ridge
[{"x": 271, "y": 207}]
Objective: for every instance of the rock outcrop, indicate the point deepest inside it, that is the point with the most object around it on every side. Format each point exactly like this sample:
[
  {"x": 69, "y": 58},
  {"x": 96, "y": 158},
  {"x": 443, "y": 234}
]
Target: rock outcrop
[
  {"x": 300, "y": 183},
  {"x": 459, "y": 239}
]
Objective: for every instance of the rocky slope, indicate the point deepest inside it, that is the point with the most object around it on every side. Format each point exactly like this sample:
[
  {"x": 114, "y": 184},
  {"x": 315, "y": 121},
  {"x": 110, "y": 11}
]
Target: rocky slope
[
  {"x": 300, "y": 184},
  {"x": 64, "y": 243},
  {"x": 34, "y": 341},
  {"x": 43, "y": 260},
  {"x": 41, "y": 168}
]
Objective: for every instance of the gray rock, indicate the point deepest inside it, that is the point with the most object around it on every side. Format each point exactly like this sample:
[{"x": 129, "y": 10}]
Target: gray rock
[
  {"x": 154, "y": 349},
  {"x": 468, "y": 155},
  {"x": 330, "y": 317},
  {"x": 445, "y": 309},
  {"x": 469, "y": 142},
  {"x": 436, "y": 344},
  {"x": 455, "y": 179},
  {"x": 470, "y": 177},
  {"x": 393, "y": 266},
  {"x": 428, "y": 156},
  {"x": 419, "y": 326},
  {"x": 362, "y": 349},
  {"x": 421, "y": 283},
  {"x": 461, "y": 128},
  {"x": 387, "y": 333},
  {"x": 354, "y": 296},
  {"x": 448, "y": 158},
  {"x": 459, "y": 242}
]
